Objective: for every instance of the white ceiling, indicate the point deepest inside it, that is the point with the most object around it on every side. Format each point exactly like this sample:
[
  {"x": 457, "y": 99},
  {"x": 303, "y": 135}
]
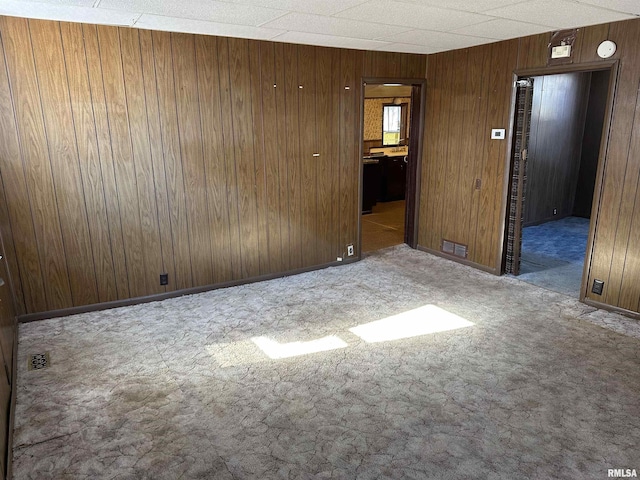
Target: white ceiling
[{"x": 412, "y": 26}]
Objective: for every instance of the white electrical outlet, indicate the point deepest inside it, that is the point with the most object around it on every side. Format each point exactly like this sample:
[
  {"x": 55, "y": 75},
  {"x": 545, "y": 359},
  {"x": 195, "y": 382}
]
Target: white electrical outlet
[{"x": 350, "y": 250}]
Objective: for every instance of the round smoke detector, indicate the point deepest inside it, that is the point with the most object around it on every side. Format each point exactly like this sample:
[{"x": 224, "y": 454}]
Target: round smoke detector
[{"x": 606, "y": 49}]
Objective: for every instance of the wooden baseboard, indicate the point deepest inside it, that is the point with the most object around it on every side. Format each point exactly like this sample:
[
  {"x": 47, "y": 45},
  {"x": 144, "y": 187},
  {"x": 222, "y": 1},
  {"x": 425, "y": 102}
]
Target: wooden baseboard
[
  {"x": 32, "y": 317},
  {"x": 611, "y": 308},
  {"x": 463, "y": 261}
]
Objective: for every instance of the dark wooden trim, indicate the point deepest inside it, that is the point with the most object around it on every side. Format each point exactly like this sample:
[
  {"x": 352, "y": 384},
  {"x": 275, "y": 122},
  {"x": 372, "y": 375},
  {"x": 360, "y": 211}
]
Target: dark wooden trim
[
  {"x": 611, "y": 308},
  {"x": 468, "y": 263},
  {"x": 414, "y": 170},
  {"x": 569, "y": 68},
  {"x": 506, "y": 184},
  {"x": 600, "y": 175},
  {"x": 63, "y": 312},
  {"x": 402, "y": 80}
]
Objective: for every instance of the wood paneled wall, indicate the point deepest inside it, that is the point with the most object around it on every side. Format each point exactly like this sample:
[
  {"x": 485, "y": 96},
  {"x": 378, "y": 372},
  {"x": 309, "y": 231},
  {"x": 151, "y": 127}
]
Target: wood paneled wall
[
  {"x": 127, "y": 153},
  {"x": 470, "y": 93},
  {"x": 558, "y": 118},
  {"x": 596, "y": 113}
]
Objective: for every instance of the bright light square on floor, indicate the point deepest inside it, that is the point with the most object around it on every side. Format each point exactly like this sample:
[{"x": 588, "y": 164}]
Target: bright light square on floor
[
  {"x": 416, "y": 322},
  {"x": 277, "y": 350}
]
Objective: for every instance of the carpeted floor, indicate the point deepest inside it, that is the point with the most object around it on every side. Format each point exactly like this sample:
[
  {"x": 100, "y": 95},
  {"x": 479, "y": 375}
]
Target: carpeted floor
[
  {"x": 384, "y": 227},
  {"x": 553, "y": 254},
  {"x": 403, "y": 365}
]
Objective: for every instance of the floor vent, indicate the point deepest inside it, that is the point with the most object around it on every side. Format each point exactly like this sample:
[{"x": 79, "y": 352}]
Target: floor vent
[
  {"x": 455, "y": 249},
  {"x": 39, "y": 361}
]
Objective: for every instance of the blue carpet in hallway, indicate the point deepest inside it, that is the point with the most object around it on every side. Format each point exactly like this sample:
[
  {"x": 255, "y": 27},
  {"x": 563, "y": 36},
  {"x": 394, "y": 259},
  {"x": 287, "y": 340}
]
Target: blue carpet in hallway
[{"x": 553, "y": 254}]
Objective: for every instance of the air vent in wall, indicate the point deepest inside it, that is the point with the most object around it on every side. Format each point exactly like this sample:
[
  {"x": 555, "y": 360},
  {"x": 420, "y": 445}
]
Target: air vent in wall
[
  {"x": 455, "y": 249},
  {"x": 448, "y": 247}
]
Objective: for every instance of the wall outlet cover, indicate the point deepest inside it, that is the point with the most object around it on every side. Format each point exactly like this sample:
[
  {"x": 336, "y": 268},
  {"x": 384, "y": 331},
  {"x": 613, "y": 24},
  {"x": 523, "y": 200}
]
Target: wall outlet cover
[{"x": 498, "y": 133}]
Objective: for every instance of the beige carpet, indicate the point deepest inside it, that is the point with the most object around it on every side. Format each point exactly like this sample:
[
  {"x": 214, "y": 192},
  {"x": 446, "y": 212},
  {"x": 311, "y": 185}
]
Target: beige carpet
[{"x": 403, "y": 365}]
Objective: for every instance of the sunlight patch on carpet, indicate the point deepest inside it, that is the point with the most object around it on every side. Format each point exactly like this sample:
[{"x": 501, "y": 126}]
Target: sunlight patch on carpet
[{"x": 413, "y": 323}]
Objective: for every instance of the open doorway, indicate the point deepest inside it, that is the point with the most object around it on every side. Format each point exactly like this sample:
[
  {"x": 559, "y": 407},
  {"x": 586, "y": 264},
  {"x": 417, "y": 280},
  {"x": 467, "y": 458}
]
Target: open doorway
[
  {"x": 560, "y": 119},
  {"x": 390, "y": 144}
]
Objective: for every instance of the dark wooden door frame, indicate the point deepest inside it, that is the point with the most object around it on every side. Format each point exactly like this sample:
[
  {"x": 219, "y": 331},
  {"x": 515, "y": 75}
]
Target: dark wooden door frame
[
  {"x": 613, "y": 66},
  {"x": 415, "y": 154}
]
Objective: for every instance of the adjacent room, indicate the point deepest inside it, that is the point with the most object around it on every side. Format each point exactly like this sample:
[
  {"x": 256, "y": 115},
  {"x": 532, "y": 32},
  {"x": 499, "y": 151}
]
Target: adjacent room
[
  {"x": 260, "y": 239},
  {"x": 565, "y": 132},
  {"x": 386, "y": 130}
]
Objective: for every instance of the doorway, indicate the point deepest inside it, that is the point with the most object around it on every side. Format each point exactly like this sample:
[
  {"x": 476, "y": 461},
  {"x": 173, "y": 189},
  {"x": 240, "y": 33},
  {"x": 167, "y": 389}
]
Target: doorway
[
  {"x": 558, "y": 135},
  {"x": 390, "y": 142}
]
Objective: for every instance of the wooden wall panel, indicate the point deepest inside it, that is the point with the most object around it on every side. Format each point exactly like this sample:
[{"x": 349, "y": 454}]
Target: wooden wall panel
[
  {"x": 214, "y": 161},
  {"x": 161, "y": 176},
  {"x": 128, "y": 153},
  {"x": 308, "y": 147},
  {"x": 63, "y": 156},
  {"x": 231, "y": 185},
  {"x": 292, "y": 129},
  {"x": 244, "y": 154},
  {"x": 480, "y": 58},
  {"x": 123, "y": 159},
  {"x": 174, "y": 177},
  {"x": 282, "y": 152},
  {"x": 166, "y": 261},
  {"x": 258, "y": 155},
  {"x": 616, "y": 249},
  {"x": 142, "y": 159},
  {"x": 533, "y": 51},
  {"x": 274, "y": 212},
  {"x": 189, "y": 126},
  {"x": 87, "y": 150},
  {"x": 17, "y": 222},
  {"x": 107, "y": 167},
  {"x": 325, "y": 133},
  {"x": 616, "y": 204},
  {"x": 37, "y": 167},
  {"x": 589, "y": 38}
]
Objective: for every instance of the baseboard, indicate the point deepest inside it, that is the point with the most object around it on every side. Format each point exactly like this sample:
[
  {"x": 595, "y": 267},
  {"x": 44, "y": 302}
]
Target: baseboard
[
  {"x": 548, "y": 219},
  {"x": 32, "y": 317},
  {"x": 463, "y": 261},
  {"x": 611, "y": 308}
]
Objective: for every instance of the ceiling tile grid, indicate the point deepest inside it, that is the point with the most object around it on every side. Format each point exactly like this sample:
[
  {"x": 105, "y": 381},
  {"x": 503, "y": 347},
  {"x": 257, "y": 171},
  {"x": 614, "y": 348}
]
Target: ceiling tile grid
[{"x": 409, "y": 26}]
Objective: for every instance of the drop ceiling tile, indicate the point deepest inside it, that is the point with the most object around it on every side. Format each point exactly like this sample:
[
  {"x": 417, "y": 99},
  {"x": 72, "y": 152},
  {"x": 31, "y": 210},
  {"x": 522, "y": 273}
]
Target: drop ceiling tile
[
  {"x": 407, "y": 48},
  {"x": 558, "y": 13},
  {"x": 410, "y": 15},
  {"x": 171, "y": 24},
  {"x": 502, "y": 29},
  {"x": 329, "y": 41},
  {"x": 213, "y": 11},
  {"x": 79, "y": 3},
  {"x": 476, "y": 6},
  {"x": 628, "y": 6},
  {"x": 318, "y": 7},
  {"x": 66, "y": 13},
  {"x": 342, "y": 27},
  {"x": 438, "y": 41}
]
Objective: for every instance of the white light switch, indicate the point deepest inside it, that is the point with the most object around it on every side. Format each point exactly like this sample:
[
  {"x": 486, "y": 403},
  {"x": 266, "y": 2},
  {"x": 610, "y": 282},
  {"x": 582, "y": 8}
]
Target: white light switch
[{"x": 497, "y": 133}]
